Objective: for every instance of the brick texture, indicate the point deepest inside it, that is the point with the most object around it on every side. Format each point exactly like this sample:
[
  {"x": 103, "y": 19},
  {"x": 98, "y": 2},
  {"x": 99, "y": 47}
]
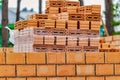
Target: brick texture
[
  {"x": 76, "y": 78},
  {"x": 112, "y": 57},
  {"x": 57, "y": 78},
  {"x": 65, "y": 70},
  {"x": 75, "y": 24},
  {"x": 16, "y": 78},
  {"x": 7, "y": 70},
  {"x": 117, "y": 69},
  {"x": 85, "y": 70},
  {"x": 46, "y": 70},
  {"x": 2, "y": 58},
  {"x": 35, "y": 58},
  {"x": 59, "y": 66},
  {"x": 56, "y": 58},
  {"x": 2, "y": 79},
  {"x": 40, "y": 78},
  {"x": 95, "y": 78},
  {"x": 104, "y": 69},
  {"x": 15, "y": 58},
  {"x": 95, "y": 58},
  {"x": 26, "y": 70},
  {"x": 113, "y": 78},
  {"x": 75, "y": 58},
  {"x": 9, "y": 50}
]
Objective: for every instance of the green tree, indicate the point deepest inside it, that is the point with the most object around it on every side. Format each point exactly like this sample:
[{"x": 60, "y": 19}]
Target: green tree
[
  {"x": 116, "y": 13},
  {"x": 0, "y": 3}
]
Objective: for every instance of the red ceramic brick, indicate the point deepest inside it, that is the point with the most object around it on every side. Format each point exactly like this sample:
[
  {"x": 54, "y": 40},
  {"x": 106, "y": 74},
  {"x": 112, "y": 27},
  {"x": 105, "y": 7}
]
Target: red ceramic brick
[
  {"x": 85, "y": 70},
  {"x": 95, "y": 78},
  {"x": 95, "y": 58},
  {"x": 104, "y": 69},
  {"x": 56, "y": 78},
  {"x": 66, "y": 70},
  {"x": 35, "y": 58},
  {"x": 16, "y": 78},
  {"x": 75, "y": 58},
  {"x": 7, "y": 70},
  {"x": 117, "y": 69},
  {"x": 113, "y": 78},
  {"x": 9, "y": 50},
  {"x": 2, "y": 58},
  {"x": 3, "y": 50},
  {"x": 38, "y": 78},
  {"x": 46, "y": 70},
  {"x": 2, "y": 79},
  {"x": 56, "y": 58},
  {"x": 76, "y": 78},
  {"x": 15, "y": 58},
  {"x": 112, "y": 57},
  {"x": 25, "y": 70}
]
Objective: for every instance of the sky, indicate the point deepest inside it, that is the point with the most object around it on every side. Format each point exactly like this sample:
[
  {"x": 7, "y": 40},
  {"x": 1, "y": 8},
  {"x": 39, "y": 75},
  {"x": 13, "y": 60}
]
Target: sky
[{"x": 34, "y": 3}]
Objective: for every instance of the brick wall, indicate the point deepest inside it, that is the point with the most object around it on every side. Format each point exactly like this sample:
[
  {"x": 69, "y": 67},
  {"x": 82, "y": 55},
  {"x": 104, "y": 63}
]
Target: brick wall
[{"x": 59, "y": 66}]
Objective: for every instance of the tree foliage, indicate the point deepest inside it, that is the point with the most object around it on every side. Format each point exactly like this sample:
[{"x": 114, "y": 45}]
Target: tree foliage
[{"x": 116, "y": 13}]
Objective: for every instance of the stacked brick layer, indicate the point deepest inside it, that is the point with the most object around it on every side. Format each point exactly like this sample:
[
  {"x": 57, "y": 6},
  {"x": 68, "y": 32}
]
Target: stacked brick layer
[
  {"x": 111, "y": 42},
  {"x": 66, "y": 27},
  {"x": 28, "y": 37},
  {"x": 59, "y": 66}
]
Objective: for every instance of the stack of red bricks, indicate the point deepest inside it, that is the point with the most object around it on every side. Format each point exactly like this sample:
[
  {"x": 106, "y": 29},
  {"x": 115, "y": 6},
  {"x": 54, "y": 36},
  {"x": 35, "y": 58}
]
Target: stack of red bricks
[
  {"x": 66, "y": 27},
  {"x": 110, "y": 44},
  {"x": 59, "y": 66}
]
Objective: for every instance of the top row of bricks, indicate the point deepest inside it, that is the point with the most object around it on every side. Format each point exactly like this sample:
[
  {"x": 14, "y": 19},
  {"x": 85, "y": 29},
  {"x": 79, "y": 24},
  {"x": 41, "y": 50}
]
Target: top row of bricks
[
  {"x": 65, "y": 3},
  {"x": 61, "y": 3}
]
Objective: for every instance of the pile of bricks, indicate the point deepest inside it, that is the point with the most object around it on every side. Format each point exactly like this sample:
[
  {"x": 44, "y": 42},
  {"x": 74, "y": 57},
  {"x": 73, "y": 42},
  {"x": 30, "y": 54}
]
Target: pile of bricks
[
  {"x": 110, "y": 44},
  {"x": 66, "y": 27},
  {"x": 59, "y": 66}
]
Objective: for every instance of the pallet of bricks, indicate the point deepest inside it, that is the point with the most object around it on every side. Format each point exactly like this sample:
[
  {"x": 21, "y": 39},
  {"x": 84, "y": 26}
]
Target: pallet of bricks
[
  {"x": 66, "y": 27},
  {"x": 110, "y": 44}
]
